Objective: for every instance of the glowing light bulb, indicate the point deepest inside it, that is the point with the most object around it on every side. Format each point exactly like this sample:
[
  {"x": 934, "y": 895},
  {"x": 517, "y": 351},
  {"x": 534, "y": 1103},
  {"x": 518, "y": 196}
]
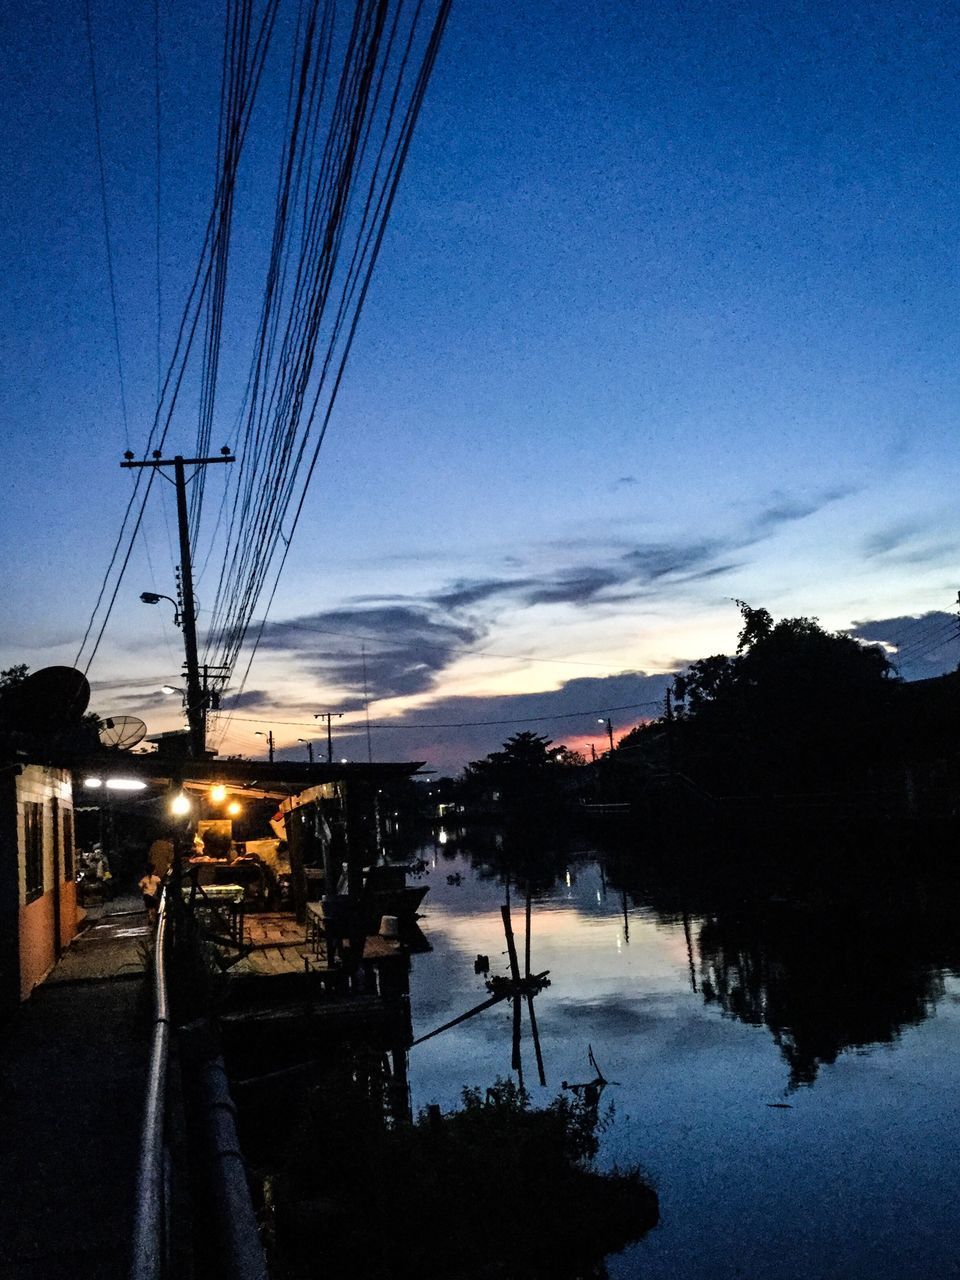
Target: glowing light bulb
[
  {"x": 180, "y": 805},
  {"x": 233, "y": 809},
  {"x": 218, "y": 793}
]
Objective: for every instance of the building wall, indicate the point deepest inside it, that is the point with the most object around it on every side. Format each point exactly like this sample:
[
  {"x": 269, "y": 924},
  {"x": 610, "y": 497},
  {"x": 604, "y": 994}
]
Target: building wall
[
  {"x": 42, "y": 785},
  {"x": 9, "y": 893}
]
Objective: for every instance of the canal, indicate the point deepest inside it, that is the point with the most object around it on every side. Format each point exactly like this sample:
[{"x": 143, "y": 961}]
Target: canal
[{"x": 783, "y": 1066}]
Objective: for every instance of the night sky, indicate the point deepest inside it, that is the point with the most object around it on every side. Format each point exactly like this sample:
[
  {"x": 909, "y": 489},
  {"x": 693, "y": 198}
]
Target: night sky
[{"x": 666, "y": 315}]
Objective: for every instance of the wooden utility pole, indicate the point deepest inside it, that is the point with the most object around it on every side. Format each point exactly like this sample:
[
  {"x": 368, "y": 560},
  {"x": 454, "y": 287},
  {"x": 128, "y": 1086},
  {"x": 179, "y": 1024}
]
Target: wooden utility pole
[
  {"x": 328, "y": 716},
  {"x": 196, "y": 693}
]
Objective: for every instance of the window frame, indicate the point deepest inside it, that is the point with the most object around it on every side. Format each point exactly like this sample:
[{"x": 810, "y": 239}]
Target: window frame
[
  {"x": 68, "y": 847},
  {"x": 33, "y": 869}
]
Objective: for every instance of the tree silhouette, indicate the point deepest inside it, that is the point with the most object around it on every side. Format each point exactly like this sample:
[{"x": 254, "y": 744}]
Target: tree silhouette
[
  {"x": 797, "y": 708},
  {"x": 528, "y": 767}
]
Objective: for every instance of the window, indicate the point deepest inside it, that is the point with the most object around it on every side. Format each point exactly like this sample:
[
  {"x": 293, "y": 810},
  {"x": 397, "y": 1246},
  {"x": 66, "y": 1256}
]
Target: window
[
  {"x": 33, "y": 848},
  {"x": 68, "y": 844}
]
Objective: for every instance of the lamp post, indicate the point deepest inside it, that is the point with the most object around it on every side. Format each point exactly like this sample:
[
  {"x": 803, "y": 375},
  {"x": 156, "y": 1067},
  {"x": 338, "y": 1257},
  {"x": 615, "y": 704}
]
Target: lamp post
[
  {"x": 309, "y": 746},
  {"x": 606, "y": 720},
  {"x": 269, "y": 737}
]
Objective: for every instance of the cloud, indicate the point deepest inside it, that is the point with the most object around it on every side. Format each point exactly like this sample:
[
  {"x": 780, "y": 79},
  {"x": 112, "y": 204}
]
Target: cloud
[
  {"x": 574, "y": 586},
  {"x": 249, "y": 699},
  {"x": 626, "y": 576},
  {"x": 400, "y": 646},
  {"x": 890, "y": 539},
  {"x": 466, "y": 592},
  {"x": 902, "y": 544},
  {"x": 647, "y": 564},
  {"x": 920, "y": 646},
  {"x": 107, "y": 704},
  {"x": 145, "y": 682},
  {"x": 411, "y": 644},
  {"x": 786, "y": 510},
  {"x": 452, "y": 730}
]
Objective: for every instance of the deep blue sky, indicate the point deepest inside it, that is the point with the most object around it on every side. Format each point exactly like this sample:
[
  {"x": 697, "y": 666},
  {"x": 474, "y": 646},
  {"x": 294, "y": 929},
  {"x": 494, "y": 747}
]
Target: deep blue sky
[{"x": 666, "y": 314}]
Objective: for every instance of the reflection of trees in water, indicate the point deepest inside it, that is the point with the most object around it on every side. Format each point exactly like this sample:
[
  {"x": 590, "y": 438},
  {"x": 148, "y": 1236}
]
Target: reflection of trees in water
[
  {"x": 827, "y": 960},
  {"x": 828, "y": 956},
  {"x": 821, "y": 983},
  {"x": 520, "y": 853}
]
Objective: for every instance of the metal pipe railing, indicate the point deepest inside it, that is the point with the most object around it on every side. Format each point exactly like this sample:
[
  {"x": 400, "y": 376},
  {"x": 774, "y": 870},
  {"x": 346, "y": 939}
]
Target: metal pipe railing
[
  {"x": 150, "y": 1221},
  {"x": 240, "y": 1250}
]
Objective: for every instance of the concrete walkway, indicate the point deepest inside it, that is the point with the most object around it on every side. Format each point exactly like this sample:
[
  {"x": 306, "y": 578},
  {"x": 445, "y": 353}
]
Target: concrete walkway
[{"x": 72, "y": 1077}]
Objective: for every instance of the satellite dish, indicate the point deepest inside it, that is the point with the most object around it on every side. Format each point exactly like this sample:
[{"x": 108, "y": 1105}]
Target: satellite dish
[
  {"x": 50, "y": 699},
  {"x": 122, "y": 732}
]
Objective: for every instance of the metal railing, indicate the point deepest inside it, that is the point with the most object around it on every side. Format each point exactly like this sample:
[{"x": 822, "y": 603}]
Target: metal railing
[
  {"x": 238, "y": 1252},
  {"x": 151, "y": 1213}
]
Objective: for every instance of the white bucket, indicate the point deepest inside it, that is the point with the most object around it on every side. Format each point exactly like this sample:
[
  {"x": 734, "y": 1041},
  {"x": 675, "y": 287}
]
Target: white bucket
[{"x": 389, "y": 927}]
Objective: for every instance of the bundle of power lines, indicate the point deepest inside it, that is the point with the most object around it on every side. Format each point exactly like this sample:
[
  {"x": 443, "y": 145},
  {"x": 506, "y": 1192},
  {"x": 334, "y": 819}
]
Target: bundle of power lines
[{"x": 357, "y": 79}]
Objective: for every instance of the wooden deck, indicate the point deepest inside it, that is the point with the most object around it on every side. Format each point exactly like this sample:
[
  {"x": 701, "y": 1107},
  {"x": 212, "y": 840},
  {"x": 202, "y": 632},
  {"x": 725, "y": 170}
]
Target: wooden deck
[{"x": 282, "y": 946}]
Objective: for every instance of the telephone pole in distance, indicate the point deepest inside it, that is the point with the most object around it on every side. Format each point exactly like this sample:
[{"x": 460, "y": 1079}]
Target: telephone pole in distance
[{"x": 328, "y": 716}]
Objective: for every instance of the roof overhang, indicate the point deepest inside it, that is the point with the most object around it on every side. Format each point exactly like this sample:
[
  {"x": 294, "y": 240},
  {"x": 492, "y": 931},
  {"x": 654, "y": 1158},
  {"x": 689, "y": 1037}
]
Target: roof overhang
[{"x": 278, "y": 780}]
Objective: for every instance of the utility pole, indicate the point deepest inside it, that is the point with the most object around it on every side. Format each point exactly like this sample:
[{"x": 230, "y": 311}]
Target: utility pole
[
  {"x": 196, "y": 697},
  {"x": 606, "y": 721},
  {"x": 328, "y": 716},
  {"x": 269, "y": 737},
  {"x": 366, "y": 702},
  {"x": 309, "y": 746}
]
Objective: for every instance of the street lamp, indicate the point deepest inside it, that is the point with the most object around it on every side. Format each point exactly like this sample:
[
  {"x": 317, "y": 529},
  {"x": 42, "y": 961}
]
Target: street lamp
[
  {"x": 309, "y": 746},
  {"x": 606, "y": 720},
  {"x": 269, "y": 737},
  {"x": 154, "y": 597}
]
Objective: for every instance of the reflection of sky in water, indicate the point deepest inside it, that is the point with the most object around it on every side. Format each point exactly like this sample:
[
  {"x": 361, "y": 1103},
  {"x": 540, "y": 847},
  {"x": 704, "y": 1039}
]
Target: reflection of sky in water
[{"x": 860, "y": 1176}]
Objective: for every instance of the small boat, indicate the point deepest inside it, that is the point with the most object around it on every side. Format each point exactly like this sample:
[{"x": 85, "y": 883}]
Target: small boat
[{"x": 385, "y": 892}]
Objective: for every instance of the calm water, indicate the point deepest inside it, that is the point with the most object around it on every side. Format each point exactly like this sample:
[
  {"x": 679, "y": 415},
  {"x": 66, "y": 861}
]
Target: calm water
[{"x": 706, "y": 1011}]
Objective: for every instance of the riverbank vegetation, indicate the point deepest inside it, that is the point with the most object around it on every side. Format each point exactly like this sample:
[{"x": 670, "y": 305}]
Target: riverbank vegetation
[{"x": 494, "y": 1190}]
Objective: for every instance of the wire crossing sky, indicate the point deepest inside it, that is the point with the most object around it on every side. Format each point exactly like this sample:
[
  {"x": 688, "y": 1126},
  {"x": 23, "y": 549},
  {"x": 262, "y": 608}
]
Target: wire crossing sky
[{"x": 664, "y": 314}]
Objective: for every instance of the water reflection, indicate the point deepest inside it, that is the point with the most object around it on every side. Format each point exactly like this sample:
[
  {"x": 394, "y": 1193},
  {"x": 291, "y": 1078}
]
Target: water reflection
[
  {"x": 514, "y": 986},
  {"x": 840, "y": 959},
  {"x": 830, "y": 963},
  {"x": 705, "y": 986}
]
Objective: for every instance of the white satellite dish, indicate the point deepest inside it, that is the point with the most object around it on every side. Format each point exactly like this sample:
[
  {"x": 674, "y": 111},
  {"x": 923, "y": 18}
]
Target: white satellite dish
[{"x": 122, "y": 732}]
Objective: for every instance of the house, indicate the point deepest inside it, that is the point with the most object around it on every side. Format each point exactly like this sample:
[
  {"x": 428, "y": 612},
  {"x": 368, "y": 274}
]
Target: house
[{"x": 38, "y": 893}]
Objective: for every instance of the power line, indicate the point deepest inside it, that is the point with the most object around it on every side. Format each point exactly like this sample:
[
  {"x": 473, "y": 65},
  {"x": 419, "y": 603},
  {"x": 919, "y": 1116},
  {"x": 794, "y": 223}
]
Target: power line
[
  {"x": 193, "y": 309},
  {"x": 106, "y": 218},
  {"x": 464, "y": 724},
  {"x": 156, "y": 68},
  {"x": 312, "y": 305}
]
